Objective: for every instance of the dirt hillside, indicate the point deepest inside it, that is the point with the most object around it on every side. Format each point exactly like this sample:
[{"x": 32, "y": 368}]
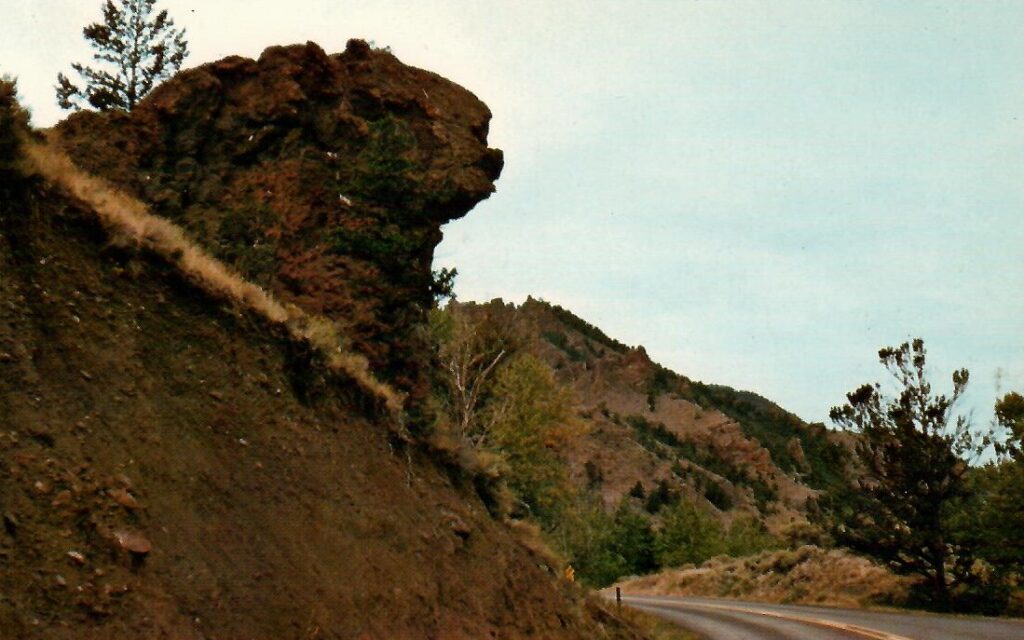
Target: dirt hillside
[{"x": 174, "y": 465}]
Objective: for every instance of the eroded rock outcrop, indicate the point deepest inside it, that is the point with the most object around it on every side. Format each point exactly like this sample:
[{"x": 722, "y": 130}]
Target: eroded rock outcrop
[{"x": 324, "y": 178}]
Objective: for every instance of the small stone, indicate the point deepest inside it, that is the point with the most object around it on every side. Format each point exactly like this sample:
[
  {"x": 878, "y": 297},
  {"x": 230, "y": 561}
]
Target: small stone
[
  {"x": 123, "y": 498},
  {"x": 459, "y": 526},
  {"x": 77, "y": 556},
  {"x": 85, "y": 374},
  {"x": 10, "y": 523},
  {"x": 61, "y": 581},
  {"x": 133, "y": 541},
  {"x": 42, "y": 486}
]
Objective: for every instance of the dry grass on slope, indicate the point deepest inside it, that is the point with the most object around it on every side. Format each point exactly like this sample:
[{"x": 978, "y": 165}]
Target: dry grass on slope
[
  {"x": 127, "y": 217},
  {"x": 808, "y": 575}
]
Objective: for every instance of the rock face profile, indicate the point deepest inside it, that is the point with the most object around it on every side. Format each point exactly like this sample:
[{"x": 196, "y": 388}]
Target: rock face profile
[
  {"x": 174, "y": 465},
  {"x": 323, "y": 178}
]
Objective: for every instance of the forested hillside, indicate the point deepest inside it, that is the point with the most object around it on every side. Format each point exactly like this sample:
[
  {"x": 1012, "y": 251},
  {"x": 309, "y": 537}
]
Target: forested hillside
[{"x": 627, "y": 465}]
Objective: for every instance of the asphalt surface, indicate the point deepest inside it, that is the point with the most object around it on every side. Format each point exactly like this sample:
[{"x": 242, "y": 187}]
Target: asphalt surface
[{"x": 719, "y": 619}]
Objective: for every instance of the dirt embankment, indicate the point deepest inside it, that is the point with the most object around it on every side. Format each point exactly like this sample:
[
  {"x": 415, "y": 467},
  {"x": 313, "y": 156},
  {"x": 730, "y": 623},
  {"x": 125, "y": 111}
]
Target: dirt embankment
[{"x": 175, "y": 466}]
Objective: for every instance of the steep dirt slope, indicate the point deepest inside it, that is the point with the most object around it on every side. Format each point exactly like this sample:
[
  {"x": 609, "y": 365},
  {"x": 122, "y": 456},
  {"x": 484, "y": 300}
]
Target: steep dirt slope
[
  {"x": 174, "y": 466},
  {"x": 731, "y": 450}
]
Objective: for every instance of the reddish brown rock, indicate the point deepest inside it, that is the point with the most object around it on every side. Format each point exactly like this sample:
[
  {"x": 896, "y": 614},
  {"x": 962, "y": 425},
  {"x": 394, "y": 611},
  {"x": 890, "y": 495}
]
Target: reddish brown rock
[
  {"x": 325, "y": 178},
  {"x": 133, "y": 542}
]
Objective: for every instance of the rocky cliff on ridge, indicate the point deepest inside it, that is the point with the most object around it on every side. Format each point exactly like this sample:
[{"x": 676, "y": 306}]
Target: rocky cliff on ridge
[{"x": 324, "y": 178}]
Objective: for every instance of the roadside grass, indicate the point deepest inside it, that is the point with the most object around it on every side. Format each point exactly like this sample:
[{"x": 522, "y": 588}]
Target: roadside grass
[{"x": 808, "y": 575}]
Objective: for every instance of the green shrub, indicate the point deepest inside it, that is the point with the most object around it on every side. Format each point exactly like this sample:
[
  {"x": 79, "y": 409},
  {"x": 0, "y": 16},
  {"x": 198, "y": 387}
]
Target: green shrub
[
  {"x": 242, "y": 241},
  {"x": 382, "y": 167}
]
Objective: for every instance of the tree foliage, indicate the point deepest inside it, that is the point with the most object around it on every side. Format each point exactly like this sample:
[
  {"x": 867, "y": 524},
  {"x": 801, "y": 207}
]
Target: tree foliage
[
  {"x": 997, "y": 511},
  {"x": 470, "y": 348},
  {"x": 912, "y": 455},
  {"x": 497, "y": 401},
  {"x": 748, "y": 535},
  {"x": 1010, "y": 417},
  {"x": 530, "y": 415},
  {"x": 689, "y": 535},
  {"x": 136, "y": 48}
]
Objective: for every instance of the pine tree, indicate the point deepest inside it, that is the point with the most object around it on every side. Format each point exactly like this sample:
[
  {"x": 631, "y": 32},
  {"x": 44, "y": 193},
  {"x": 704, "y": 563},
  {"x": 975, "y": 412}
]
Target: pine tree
[
  {"x": 912, "y": 458},
  {"x": 136, "y": 49}
]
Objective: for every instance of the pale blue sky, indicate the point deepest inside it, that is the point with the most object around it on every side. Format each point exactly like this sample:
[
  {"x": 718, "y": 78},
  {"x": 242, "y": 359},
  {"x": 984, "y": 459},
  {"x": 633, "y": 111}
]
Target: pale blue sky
[{"x": 761, "y": 193}]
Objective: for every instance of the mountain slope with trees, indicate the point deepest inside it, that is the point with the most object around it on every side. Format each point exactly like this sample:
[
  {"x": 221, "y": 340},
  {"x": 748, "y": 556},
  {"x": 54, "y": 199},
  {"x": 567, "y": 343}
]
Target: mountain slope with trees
[{"x": 641, "y": 467}]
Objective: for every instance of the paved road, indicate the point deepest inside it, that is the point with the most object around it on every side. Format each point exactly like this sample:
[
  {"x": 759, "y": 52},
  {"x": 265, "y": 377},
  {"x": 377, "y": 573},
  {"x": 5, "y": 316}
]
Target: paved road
[{"x": 717, "y": 619}]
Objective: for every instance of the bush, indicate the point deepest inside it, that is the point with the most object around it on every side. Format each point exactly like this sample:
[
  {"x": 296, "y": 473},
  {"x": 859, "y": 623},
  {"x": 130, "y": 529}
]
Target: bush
[{"x": 638, "y": 491}]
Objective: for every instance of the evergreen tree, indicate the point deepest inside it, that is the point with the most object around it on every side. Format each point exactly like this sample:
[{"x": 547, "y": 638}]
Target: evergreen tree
[
  {"x": 638, "y": 491},
  {"x": 660, "y": 496},
  {"x": 1010, "y": 417},
  {"x": 999, "y": 514},
  {"x": 136, "y": 49},
  {"x": 13, "y": 126},
  {"x": 912, "y": 457}
]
